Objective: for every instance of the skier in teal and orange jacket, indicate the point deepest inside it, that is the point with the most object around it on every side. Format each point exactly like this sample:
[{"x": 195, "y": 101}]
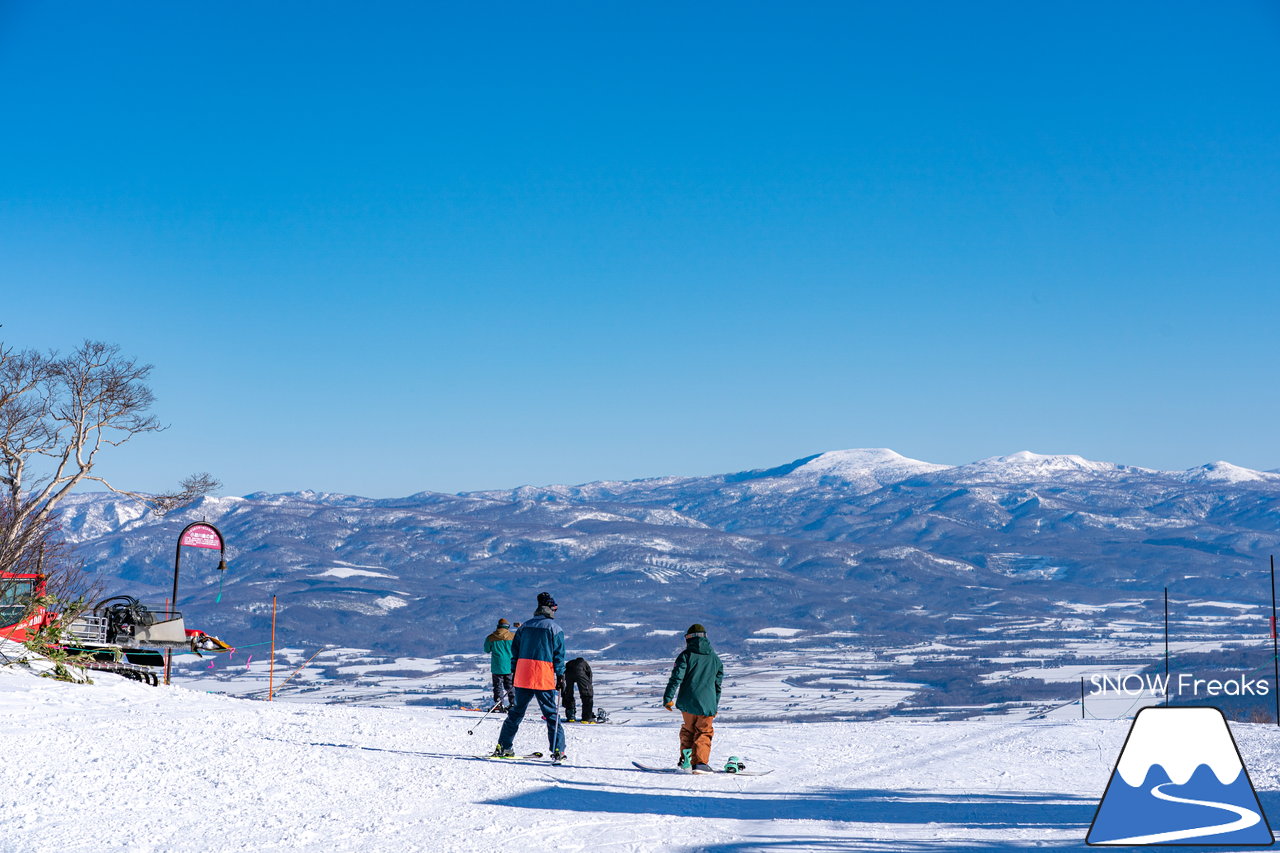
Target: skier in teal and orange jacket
[{"x": 538, "y": 650}]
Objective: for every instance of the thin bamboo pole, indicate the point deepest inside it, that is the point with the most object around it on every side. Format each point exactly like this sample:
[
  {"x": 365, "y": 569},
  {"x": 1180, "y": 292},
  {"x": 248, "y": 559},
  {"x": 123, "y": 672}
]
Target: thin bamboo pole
[
  {"x": 299, "y": 669},
  {"x": 1275, "y": 651},
  {"x": 271, "y": 667}
]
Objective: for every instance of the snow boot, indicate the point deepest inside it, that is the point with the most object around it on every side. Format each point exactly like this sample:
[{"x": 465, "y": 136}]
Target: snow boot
[
  {"x": 501, "y": 751},
  {"x": 686, "y": 759},
  {"x": 703, "y": 768},
  {"x": 558, "y": 756}
]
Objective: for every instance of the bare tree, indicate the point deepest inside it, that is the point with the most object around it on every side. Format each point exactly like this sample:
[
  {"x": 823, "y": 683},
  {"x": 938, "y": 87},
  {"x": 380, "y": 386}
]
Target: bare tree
[
  {"x": 57, "y": 413},
  {"x": 190, "y": 488}
]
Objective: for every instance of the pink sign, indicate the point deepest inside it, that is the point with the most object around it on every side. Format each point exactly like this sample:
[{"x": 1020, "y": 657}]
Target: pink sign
[{"x": 201, "y": 536}]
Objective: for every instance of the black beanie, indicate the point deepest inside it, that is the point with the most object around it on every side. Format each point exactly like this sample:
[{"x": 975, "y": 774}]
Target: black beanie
[
  {"x": 545, "y": 600},
  {"x": 695, "y": 630}
]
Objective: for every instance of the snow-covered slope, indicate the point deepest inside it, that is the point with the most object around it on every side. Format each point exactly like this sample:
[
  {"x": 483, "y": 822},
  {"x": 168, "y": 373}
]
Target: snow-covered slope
[
  {"x": 1029, "y": 467},
  {"x": 121, "y": 767},
  {"x": 1225, "y": 472}
]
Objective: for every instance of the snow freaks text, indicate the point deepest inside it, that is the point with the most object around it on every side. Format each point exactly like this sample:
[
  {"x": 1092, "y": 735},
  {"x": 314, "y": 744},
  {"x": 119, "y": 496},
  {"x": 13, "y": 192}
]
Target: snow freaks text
[{"x": 1184, "y": 684}]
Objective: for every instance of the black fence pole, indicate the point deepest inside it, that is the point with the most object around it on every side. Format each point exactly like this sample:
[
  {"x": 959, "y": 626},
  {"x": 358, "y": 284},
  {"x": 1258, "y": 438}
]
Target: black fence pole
[
  {"x": 1082, "y": 697},
  {"x": 1166, "y": 645}
]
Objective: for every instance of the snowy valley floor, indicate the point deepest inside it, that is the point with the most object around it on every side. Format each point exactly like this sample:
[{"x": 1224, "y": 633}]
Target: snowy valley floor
[{"x": 120, "y": 766}]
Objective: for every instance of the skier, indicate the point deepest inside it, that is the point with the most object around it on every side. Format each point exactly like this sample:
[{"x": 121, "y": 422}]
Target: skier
[
  {"x": 538, "y": 650},
  {"x": 578, "y": 672},
  {"x": 498, "y": 645},
  {"x": 694, "y": 688}
]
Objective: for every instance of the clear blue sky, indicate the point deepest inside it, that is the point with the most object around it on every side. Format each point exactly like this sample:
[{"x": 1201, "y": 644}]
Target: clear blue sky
[{"x": 387, "y": 247}]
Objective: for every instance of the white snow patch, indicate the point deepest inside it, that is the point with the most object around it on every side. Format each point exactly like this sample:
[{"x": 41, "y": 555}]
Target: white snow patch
[
  {"x": 780, "y": 632},
  {"x": 347, "y": 572}
]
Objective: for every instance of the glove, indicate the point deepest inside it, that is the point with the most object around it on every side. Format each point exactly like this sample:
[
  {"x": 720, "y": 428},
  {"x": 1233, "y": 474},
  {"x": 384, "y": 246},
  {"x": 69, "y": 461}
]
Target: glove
[
  {"x": 560, "y": 683},
  {"x": 668, "y": 705}
]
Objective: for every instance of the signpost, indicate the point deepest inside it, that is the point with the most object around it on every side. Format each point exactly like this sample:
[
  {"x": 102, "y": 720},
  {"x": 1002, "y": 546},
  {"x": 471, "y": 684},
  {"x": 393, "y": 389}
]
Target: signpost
[{"x": 198, "y": 534}]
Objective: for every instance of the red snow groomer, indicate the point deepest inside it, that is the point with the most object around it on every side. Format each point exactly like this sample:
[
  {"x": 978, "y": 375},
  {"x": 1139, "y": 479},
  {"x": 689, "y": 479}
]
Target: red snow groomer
[
  {"x": 118, "y": 634},
  {"x": 19, "y": 620}
]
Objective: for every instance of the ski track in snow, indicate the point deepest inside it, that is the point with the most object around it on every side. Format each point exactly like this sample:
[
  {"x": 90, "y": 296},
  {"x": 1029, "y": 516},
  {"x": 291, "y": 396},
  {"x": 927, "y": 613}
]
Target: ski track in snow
[{"x": 119, "y": 766}]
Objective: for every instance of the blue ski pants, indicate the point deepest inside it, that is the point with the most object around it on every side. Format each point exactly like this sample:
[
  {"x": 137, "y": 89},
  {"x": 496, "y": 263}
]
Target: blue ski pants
[{"x": 547, "y": 702}]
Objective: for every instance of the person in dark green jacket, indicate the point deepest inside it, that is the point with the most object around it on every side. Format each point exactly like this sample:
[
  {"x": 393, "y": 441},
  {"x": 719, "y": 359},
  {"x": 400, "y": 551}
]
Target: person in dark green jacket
[
  {"x": 694, "y": 689},
  {"x": 498, "y": 645}
]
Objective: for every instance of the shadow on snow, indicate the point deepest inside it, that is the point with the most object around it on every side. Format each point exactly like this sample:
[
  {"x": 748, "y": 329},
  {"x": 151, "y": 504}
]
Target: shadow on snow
[
  {"x": 1027, "y": 813},
  {"x": 1002, "y": 811}
]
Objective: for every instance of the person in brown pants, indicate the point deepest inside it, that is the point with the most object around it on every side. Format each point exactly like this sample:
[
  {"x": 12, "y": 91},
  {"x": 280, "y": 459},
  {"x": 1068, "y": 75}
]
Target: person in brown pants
[{"x": 694, "y": 688}]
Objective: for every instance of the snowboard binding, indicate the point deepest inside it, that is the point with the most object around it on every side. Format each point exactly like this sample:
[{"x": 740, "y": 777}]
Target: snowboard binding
[{"x": 734, "y": 764}]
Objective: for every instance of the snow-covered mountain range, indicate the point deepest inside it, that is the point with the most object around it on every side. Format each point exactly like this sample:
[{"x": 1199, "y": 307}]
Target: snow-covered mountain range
[{"x": 854, "y": 546}]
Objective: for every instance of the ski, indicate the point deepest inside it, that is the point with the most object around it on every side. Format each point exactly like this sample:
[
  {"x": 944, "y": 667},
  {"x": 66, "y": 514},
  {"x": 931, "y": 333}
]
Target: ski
[
  {"x": 648, "y": 768},
  {"x": 512, "y": 757}
]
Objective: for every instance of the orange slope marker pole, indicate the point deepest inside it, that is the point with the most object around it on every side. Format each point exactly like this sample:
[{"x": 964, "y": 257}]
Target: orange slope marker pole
[
  {"x": 271, "y": 668},
  {"x": 168, "y": 653}
]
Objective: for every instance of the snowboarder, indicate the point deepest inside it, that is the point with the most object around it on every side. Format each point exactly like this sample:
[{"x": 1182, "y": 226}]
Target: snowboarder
[
  {"x": 498, "y": 645},
  {"x": 694, "y": 688},
  {"x": 538, "y": 650},
  {"x": 578, "y": 672}
]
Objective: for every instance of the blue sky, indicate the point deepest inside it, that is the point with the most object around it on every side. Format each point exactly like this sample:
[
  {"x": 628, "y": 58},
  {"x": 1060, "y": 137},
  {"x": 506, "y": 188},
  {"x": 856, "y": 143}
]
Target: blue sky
[{"x": 384, "y": 248}]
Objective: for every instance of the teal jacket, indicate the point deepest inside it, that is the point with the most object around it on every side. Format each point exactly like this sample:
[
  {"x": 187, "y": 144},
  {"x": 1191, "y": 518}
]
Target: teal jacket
[
  {"x": 498, "y": 645},
  {"x": 695, "y": 679}
]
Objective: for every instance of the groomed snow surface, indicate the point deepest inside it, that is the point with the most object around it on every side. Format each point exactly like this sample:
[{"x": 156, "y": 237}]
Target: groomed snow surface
[{"x": 121, "y": 766}]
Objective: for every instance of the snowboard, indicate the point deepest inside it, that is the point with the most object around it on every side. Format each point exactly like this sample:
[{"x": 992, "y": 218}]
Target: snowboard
[{"x": 648, "y": 768}]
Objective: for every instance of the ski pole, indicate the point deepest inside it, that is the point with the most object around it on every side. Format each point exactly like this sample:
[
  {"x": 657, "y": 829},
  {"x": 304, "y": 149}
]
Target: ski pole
[
  {"x": 557, "y": 737},
  {"x": 472, "y": 730}
]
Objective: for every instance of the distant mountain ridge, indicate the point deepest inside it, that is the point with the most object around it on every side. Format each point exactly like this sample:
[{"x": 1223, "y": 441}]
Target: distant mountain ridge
[{"x": 846, "y": 546}]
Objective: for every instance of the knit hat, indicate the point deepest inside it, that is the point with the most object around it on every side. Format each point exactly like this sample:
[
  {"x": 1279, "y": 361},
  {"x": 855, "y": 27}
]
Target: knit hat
[
  {"x": 545, "y": 600},
  {"x": 503, "y": 623},
  {"x": 695, "y": 630}
]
